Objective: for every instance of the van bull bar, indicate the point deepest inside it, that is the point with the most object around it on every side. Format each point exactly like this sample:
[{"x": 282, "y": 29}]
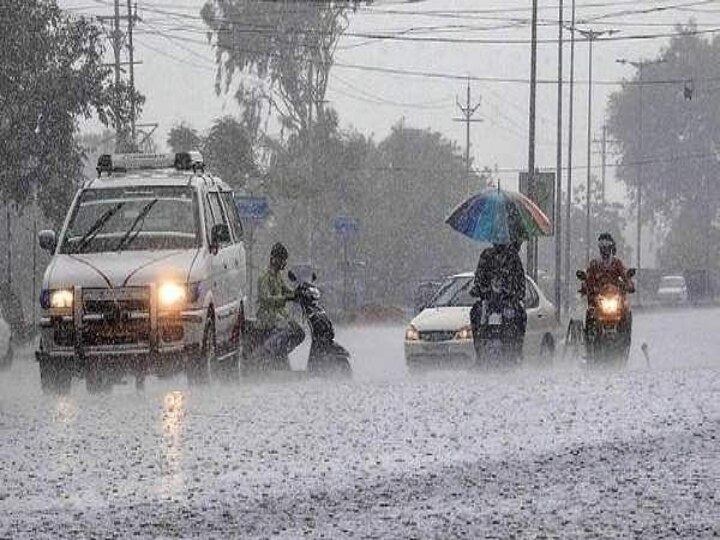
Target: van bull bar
[{"x": 120, "y": 323}]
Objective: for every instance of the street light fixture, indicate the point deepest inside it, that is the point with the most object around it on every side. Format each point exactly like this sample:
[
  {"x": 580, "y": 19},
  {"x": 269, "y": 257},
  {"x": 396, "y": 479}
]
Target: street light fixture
[{"x": 639, "y": 66}]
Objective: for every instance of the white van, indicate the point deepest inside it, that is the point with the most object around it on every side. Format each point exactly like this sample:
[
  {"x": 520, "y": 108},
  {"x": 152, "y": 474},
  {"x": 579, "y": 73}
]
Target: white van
[{"x": 147, "y": 275}]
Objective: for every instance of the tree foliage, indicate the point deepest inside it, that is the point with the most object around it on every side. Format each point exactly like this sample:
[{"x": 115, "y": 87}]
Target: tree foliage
[
  {"x": 676, "y": 153},
  {"x": 281, "y": 52},
  {"x": 182, "y": 138},
  {"x": 52, "y": 75}
]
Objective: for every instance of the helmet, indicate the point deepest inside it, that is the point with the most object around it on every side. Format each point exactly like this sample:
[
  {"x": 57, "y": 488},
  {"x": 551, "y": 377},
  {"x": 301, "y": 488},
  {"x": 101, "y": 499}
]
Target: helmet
[
  {"x": 606, "y": 245},
  {"x": 279, "y": 251}
]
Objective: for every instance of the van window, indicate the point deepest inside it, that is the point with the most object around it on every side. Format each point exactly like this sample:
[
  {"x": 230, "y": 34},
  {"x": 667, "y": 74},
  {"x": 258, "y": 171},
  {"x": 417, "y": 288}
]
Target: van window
[
  {"x": 218, "y": 214},
  {"x": 228, "y": 197}
]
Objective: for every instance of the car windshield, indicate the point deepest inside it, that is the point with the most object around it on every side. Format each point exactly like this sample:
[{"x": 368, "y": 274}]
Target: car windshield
[
  {"x": 147, "y": 218},
  {"x": 672, "y": 281},
  {"x": 455, "y": 292}
]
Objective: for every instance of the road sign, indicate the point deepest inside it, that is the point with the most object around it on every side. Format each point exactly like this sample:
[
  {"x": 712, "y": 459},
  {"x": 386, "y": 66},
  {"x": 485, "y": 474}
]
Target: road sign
[
  {"x": 251, "y": 207},
  {"x": 346, "y": 226}
]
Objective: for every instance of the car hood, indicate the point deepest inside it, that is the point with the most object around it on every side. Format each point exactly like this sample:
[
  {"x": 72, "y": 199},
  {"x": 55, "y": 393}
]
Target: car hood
[
  {"x": 123, "y": 269},
  {"x": 442, "y": 318}
]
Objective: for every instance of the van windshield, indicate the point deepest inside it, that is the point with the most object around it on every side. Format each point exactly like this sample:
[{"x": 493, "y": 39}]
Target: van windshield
[{"x": 142, "y": 218}]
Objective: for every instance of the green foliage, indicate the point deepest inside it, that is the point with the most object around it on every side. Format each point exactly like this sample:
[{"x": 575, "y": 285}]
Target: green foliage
[
  {"x": 281, "y": 52},
  {"x": 52, "y": 75},
  {"x": 228, "y": 152},
  {"x": 677, "y": 160},
  {"x": 182, "y": 138}
]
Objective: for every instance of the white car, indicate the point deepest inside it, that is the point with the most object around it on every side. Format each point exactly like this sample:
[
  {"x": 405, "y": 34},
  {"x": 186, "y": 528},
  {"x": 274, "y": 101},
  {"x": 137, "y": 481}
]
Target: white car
[
  {"x": 147, "y": 274},
  {"x": 672, "y": 290},
  {"x": 442, "y": 332}
]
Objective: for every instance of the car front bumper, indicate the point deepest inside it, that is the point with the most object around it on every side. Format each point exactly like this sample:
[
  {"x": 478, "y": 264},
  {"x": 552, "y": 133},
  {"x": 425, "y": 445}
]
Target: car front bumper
[{"x": 439, "y": 352}]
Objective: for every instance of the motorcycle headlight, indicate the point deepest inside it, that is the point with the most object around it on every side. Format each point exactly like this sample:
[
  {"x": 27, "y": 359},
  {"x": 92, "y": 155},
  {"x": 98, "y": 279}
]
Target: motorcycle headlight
[
  {"x": 172, "y": 295},
  {"x": 464, "y": 333},
  {"x": 412, "y": 334},
  {"x": 56, "y": 299},
  {"x": 609, "y": 304}
]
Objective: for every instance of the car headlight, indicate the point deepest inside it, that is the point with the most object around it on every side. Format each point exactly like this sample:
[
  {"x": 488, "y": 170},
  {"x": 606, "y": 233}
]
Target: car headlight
[
  {"x": 56, "y": 299},
  {"x": 172, "y": 295},
  {"x": 464, "y": 333},
  {"x": 412, "y": 334}
]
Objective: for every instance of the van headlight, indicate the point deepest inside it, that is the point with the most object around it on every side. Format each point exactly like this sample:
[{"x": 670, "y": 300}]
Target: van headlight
[
  {"x": 464, "y": 333},
  {"x": 412, "y": 334},
  {"x": 56, "y": 299},
  {"x": 171, "y": 295}
]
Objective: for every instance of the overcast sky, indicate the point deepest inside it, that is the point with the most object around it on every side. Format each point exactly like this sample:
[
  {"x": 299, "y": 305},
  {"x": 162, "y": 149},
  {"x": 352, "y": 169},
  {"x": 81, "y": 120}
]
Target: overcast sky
[{"x": 178, "y": 70}]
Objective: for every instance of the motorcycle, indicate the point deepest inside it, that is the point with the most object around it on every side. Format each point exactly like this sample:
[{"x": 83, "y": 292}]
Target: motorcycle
[
  {"x": 608, "y": 321},
  {"x": 497, "y": 324},
  {"x": 326, "y": 355}
]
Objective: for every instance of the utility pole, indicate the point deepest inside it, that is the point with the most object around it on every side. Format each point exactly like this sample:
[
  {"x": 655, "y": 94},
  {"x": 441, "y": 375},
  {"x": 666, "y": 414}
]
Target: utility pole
[
  {"x": 123, "y": 138},
  {"x": 558, "y": 170},
  {"x": 468, "y": 111},
  {"x": 568, "y": 201},
  {"x": 131, "y": 55},
  {"x": 532, "y": 244},
  {"x": 116, "y": 41}
]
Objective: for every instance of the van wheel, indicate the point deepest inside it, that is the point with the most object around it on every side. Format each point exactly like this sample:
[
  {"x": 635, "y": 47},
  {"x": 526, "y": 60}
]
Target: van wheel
[
  {"x": 96, "y": 380},
  {"x": 198, "y": 369},
  {"x": 547, "y": 348},
  {"x": 54, "y": 377}
]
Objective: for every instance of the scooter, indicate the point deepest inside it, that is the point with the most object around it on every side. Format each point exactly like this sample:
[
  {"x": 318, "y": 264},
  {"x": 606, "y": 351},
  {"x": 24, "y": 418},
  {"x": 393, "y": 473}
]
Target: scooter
[
  {"x": 326, "y": 355},
  {"x": 608, "y": 322},
  {"x": 497, "y": 327}
]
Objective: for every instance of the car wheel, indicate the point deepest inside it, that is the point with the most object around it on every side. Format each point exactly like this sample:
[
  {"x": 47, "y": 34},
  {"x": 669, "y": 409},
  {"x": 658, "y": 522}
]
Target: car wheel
[
  {"x": 54, "y": 377},
  {"x": 198, "y": 369}
]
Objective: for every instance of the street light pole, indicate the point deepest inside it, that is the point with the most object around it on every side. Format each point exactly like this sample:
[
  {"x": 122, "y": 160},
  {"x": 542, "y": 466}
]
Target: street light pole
[
  {"x": 558, "y": 171},
  {"x": 532, "y": 245},
  {"x": 568, "y": 201},
  {"x": 590, "y": 36}
]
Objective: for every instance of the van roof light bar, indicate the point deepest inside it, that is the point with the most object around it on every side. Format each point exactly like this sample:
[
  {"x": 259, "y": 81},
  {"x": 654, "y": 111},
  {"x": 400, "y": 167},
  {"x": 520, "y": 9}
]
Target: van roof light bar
[{"x": 181, "y": 161}]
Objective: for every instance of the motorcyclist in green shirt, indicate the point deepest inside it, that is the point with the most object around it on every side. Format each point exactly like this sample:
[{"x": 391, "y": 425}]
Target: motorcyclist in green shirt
[{"x": 283, "y": 333}]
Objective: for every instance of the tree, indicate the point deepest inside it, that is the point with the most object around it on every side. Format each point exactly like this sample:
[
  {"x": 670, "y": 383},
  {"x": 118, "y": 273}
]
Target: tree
[
  {"x": 182, "y": 138},
  {"x": 52, "y": 75},
  {"x": 678, "y": 160},
  {"x": 282, "y": 52},
  {"x": 228, "y": 151},
  {"x": 416, "y": 180}
]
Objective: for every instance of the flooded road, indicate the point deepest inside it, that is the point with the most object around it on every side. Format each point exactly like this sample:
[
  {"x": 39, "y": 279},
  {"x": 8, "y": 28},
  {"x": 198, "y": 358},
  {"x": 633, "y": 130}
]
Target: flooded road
[{"x": 559, "y": 451}]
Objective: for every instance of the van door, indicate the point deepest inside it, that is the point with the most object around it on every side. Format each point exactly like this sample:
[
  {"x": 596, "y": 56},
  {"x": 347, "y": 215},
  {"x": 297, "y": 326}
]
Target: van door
[{"x": 224, "y": 273}]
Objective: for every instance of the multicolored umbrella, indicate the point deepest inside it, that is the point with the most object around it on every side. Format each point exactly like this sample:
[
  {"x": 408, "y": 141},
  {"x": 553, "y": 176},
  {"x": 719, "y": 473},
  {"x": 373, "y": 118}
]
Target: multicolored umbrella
[{"x": 499, "y": 217}]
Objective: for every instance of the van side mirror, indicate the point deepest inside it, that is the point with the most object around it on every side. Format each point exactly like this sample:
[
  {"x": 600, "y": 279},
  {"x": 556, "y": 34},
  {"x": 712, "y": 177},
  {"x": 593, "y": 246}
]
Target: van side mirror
[
  {"x": 631, "y": 272},
  {"x": 291, "y": 276},
  {"x": 219, "y": 234},
  {"x": 581, "y": 275},
  {"x": 314, "y": 277},
  {"x": 47, "y": 240}
]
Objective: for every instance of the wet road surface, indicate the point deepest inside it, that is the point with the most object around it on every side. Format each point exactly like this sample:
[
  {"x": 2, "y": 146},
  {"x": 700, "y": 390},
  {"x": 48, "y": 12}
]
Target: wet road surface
[{"x": 559, "y": 451}]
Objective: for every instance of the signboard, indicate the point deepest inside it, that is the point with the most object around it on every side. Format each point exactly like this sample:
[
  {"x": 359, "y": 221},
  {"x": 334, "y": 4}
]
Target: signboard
[
  {"x": 253, "y": 208},
  {"x": 544, "y": 192},
  {"x": 346, "y": 226}
]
